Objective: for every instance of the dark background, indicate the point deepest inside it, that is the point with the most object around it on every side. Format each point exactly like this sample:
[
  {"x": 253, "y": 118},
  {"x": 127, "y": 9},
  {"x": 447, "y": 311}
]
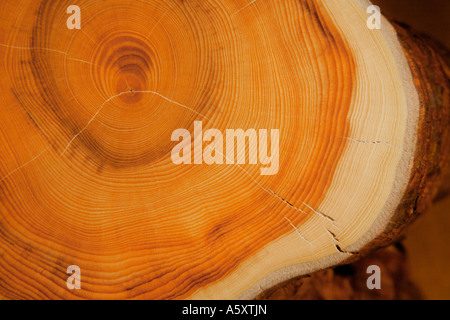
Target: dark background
[{"x": 428, "y": 16}]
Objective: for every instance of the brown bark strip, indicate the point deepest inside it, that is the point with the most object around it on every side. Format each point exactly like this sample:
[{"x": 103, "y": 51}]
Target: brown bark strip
[{"x": 431, "y": 76}]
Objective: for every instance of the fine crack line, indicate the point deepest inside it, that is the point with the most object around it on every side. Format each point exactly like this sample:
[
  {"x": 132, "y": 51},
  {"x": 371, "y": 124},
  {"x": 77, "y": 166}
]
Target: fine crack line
[
  {"x": 92, "y": 119},
  {"x": 244, "y": 7},
  {"x": 300, "y": 210},
  {"x": 298, "y": 231},
  {"x": 25, "y": 164},
  {"x": 128, "y": 85},
  {"x": 268, "y": 191},
  {"x": 156, "y": 24},
  {"x": 84, "y": 61},
  {"x": 374, "y": 142},
  {"x": 287, "y": 202},
  {"x": 117, "y": 95},
  {"x": 174, "y": 102},
  {"x": 48, "y": 49},
  {"x": 33, "y": 48},
  {"x": 321, "y": 214},
  {"x": 90, "y": 38}
]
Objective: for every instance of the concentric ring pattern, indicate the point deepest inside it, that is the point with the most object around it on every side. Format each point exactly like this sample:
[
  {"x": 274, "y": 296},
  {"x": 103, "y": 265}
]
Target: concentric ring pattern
[{"x": 85, "y": 141}]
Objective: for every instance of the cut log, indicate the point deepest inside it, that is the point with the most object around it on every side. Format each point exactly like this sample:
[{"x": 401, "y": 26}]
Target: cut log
[{"x": 87, "y": 125}]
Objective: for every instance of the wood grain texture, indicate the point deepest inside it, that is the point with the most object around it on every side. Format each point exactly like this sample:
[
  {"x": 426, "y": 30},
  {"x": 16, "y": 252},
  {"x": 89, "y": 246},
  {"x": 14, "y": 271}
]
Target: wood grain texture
[{"x": 86, "y": 176}]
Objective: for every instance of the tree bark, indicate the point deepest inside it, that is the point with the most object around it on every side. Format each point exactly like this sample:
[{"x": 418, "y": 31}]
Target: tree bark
[{"x": 349, "y": 282}]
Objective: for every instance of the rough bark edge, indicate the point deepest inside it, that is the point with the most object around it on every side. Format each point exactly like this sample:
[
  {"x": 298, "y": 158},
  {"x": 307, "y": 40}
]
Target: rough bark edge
[
  {"x": 428, "y": 62},
  {"x": 348, "y": 282},
  {"x": 431, "y": 77}
]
